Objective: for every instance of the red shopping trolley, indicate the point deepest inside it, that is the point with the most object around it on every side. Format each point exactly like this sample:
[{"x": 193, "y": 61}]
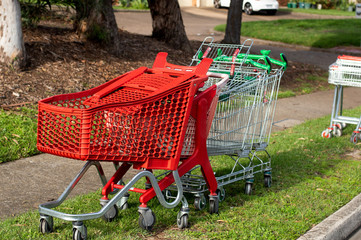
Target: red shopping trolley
[{"x": 146, "y": 119}]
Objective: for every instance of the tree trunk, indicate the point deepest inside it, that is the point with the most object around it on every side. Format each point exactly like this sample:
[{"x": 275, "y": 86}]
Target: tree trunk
[
  {"x": 234, "y": 23},
  {"x": 95, "y": 20},
  {"x": 168, "y": 24},
  {"x": 12, "y": 49}
]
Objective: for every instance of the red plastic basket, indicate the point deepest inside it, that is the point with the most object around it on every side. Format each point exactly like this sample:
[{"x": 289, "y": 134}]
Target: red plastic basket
[{"x": 139, "y": 117}]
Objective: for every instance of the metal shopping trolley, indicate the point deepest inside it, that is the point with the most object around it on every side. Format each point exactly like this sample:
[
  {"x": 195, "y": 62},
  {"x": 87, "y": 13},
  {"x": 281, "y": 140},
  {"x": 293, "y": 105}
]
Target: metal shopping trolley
[
  {"x": 346, "y": 71},
  {"x": 244, "y": 114},
  {"x": 142, "y": 120}
]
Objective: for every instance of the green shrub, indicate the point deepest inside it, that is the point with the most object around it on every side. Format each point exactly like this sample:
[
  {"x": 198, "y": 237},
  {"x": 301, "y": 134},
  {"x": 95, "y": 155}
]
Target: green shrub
[{"x": 32, "y": 11}]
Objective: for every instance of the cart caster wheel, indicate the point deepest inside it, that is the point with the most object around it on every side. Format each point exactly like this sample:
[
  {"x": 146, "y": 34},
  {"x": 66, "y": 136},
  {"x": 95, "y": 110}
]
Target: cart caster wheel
[
  {"x": 79, "y": 231},
  {"x": 337, "y": 132},
  {"x": 182, "y": 221},
  {"x": 326, "y": 133},
  {"x": 147, "y": 221},
  {"x": 248, "y": 189},
  {"x": 200, "y": 202},
  {"x": 213, "y": 204},
  {"x": 46, "y": 226},
  {"x": 267, "y": 181},
  {"x": 338, "y": 125},
  {"x": 111, "y": 214},
  {"x": 354, "y": 138},
  {"x": 77, "y": 235},
  {"x": 122, "y": 204},
  {"x": 221, "y": 194}
]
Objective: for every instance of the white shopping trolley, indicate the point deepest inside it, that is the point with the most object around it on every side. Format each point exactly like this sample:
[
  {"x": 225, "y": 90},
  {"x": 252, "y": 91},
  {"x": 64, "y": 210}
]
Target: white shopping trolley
[{"x": 346, "y": 71}]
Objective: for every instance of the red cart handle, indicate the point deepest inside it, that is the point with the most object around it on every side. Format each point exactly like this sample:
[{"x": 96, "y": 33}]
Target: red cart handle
[
  {"x": 200, "y": 69},
  {"x": 112, "y": 87},
  {"x": 351, "y": 58}
]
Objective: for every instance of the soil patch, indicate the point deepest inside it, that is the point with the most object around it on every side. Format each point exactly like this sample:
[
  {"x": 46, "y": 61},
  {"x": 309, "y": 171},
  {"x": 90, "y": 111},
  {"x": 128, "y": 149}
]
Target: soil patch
[{"x": 354, "y": 155}]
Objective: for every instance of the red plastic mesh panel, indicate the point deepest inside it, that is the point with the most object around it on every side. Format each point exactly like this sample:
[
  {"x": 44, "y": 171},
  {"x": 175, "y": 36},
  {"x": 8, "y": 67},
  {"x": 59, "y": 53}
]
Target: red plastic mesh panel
[
  {"x": 139, "y": 116},
  {"x": 140, "y": 87},
  {"x": 76, "y": 103},
  {"x": 153, "y": 80},
  {"x": 151, "y": 130},
  {"x": 124, "y": 95},
  {"x": 189, "y": 140},
  {"x": 135, "y": 133},
  {"x": 59, "y": 132}
]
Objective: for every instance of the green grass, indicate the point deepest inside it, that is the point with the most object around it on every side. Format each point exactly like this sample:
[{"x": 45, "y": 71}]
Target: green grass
[
  {"x": 309, "y": 83},
  {"x": 320, "y": 33},
  {"x": 312, "y": 178},
  {"x": 286, "y": 94},
  {"x": 331, "y": 12},
  {"x": 17, "y": 134},
  {"x": 132, "y": 5}
]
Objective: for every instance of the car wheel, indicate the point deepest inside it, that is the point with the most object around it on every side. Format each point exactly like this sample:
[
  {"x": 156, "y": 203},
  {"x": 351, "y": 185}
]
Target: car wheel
[
  {"x": 217, "y": 3},
  {"x": 248, "y": 9}
]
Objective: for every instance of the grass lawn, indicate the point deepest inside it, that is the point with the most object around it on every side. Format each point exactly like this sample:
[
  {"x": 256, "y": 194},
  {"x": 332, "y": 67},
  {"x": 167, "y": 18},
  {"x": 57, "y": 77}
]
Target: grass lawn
[
  {"x": 312, "y": 178},
  {"x": 321, "y": 33},
  {"x": 17, "y": 134},
  {"x": 332, "y": 12}
]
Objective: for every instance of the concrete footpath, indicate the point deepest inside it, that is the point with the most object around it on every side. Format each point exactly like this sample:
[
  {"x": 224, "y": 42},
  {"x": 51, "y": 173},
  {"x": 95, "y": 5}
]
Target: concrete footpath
[{"x": 28, "y": 182}]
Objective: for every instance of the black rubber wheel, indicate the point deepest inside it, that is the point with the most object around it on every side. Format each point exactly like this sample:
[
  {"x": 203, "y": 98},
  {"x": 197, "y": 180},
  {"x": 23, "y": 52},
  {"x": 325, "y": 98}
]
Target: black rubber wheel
[
  {"x": 354, "y": 138},
  {"x": 111, "y": 214},
  {"x": 213, "y": 206},
  {"x": 144, "y": 225},
  {"x": 199, "y": 203},
  {"x": 267, "y": 181},
  {"x": 248, "y": 189},
  {"x": 182, "y": 222},
  {"x": 221, "y": 194},
  {"x": 45, "y": 227},
  {"x": 77, "y": 235},
  {"x": 248, "y": 9},
  {"x": 217, "y": 3}
]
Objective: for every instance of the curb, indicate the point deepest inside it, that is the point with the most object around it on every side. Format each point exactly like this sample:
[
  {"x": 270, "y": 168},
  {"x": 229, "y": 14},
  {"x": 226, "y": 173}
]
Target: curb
[{"x": 339, "y": 225}]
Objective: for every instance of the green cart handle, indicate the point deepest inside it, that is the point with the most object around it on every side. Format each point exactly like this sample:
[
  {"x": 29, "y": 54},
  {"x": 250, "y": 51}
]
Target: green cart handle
[
  {"x": 283, "y": 63},
  {"x": 266, "y": 66},
  {"x": 250, "y": 59}
]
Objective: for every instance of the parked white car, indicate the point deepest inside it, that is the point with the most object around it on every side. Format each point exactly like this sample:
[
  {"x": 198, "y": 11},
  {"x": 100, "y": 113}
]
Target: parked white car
[{"x": 250, "y": 6}]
